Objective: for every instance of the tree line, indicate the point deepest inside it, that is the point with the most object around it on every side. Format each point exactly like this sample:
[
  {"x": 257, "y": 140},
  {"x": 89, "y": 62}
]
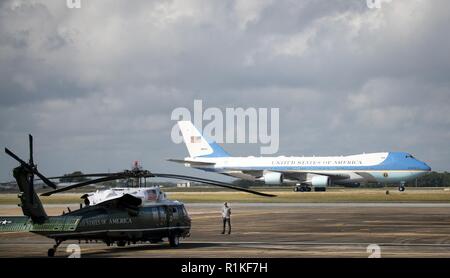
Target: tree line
[{"x": 434, "y": 179}]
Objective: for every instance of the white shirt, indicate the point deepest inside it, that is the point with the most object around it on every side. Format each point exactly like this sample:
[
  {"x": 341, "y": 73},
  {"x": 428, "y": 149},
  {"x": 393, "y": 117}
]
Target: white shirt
[{"x": 226, "y": 212}]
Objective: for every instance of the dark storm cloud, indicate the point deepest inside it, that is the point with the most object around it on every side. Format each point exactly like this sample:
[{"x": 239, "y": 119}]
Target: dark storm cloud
[{"x": 97, "y": 85}]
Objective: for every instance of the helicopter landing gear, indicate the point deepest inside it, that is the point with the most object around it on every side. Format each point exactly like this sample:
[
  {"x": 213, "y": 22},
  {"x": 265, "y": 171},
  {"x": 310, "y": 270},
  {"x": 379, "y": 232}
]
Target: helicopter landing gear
[
  {"x": 121, "y": 243},
  {"x": 51, "y": 252},
  {"x": 174, "y": 240}
]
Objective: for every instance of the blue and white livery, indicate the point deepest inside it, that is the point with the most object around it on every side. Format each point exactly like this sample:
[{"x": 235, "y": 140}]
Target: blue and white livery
[{"x": 305, "y": 172}]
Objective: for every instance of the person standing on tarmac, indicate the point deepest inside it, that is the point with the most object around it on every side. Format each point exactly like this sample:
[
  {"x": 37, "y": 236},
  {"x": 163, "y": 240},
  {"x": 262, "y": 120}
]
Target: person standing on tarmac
[{"x": 226, "y": 217}]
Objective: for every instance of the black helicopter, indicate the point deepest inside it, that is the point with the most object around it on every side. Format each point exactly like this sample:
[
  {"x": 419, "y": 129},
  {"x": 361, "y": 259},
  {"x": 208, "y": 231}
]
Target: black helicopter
[{"x": 116, "y": 215}]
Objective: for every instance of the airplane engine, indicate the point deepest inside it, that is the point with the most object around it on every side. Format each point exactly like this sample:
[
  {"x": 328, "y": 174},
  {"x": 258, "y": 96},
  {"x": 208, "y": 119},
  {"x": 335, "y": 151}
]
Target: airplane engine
[
  {"x": 320, "y": 183},
  {"x": 273, "y": 178}
]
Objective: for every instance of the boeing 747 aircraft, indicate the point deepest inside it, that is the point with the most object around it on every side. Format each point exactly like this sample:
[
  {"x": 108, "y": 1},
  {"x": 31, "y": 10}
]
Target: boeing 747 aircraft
[{"x": 305, "y": 172}]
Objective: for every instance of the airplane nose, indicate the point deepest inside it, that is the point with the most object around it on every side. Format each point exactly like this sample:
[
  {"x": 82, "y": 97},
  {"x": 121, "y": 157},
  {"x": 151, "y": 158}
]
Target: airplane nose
[{"x": 426, "y": 167}]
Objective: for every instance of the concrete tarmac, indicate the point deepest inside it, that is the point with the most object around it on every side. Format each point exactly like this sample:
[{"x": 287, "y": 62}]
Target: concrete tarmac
[{"x": 277, "y": 230}]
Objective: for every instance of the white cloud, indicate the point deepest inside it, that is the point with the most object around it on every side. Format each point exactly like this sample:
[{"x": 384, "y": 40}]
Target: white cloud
[{"x": 249, "y": 11}]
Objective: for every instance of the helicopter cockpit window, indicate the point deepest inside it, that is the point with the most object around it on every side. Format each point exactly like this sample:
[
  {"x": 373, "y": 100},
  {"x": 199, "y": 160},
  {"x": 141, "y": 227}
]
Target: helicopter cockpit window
[
  {"x": 162, "y": 215},
  {"x": 184, "y": 211},
  {"x": 155, "y": 214}
]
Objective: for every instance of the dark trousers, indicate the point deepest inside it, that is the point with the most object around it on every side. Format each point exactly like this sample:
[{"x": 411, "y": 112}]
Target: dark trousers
[{"x": 225, "y": 221}]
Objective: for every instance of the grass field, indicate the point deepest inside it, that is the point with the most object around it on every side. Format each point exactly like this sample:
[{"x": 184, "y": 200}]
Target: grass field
[{"x": 283, "y": 196}]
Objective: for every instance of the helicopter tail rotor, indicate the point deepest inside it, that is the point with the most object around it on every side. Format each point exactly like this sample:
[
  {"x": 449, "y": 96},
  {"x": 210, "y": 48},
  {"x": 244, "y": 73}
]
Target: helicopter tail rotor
[
  {"x": 30, "y": 166},
  {"x": 24, "y": 175}
]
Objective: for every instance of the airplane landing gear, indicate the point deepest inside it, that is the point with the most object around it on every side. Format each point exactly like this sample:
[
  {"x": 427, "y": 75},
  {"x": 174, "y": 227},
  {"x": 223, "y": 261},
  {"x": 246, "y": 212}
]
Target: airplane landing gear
[
  {"x": 51, "y": 252},
  {"x": 401, "y": 187},
  {"x": 302, "y": 188}
]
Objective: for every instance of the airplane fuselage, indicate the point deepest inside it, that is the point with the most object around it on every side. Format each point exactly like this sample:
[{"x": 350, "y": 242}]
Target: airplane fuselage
[
  {"x": 306, "y": 172},
  {"x": 385, "y": 167}
]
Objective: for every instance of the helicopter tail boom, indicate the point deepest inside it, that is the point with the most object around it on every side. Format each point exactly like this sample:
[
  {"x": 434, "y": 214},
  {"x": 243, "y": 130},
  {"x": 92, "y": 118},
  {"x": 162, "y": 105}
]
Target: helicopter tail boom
[
  {"x": 29, "y": 201},
  {"x": 15, "y": 224},
  {"x": 53, "y": 226}
]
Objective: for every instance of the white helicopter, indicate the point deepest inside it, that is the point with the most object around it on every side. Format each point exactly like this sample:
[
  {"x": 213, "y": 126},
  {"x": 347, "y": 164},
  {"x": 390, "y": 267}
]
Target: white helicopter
[{"x": 148, "y": 195}]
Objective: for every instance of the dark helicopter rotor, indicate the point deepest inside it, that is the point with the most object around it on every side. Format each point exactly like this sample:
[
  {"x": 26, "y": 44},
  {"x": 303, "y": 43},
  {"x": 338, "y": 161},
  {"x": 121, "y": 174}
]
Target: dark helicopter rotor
[
  {"x": 135, "y": 172},
  {"x": 30, "y": 166},
  {"x": 31, "y": 169},
  {"x": 147, "y": 174}
]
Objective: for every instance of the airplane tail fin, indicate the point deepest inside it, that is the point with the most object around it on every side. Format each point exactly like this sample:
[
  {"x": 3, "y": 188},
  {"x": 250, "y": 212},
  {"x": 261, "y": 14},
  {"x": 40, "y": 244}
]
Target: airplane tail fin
[{"x": 197, "y": 145}]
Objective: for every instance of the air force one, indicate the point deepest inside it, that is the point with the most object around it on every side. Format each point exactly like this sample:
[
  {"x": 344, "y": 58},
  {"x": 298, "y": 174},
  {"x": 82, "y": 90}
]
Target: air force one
[{"x": 305, "y": 172}]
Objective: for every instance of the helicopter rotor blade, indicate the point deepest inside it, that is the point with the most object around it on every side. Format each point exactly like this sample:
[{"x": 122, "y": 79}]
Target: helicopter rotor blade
[
  {"x": 44, "y": 179},
  {"x": 30, "y": 142},
  {"x": 31, "y": 163},
  {"x": 31, "y": 189},
  {"x": 84, "y": 176},
  {"x": 212, "y": 182},
  {"x": 13, "y": 155},
  {"x": 81, "y": 184},
  {"x": 30, "y": 168}
]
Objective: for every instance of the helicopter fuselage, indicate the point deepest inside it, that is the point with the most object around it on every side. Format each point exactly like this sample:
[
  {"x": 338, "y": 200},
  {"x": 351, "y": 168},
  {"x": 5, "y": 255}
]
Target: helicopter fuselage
[
  {"x": 148, "y": 223},
  {"x": 121, "y": 226}
]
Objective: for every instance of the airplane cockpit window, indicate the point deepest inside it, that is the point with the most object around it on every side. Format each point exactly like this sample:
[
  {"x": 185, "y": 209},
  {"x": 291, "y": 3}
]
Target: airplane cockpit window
[{"x": 409, "y": 156}]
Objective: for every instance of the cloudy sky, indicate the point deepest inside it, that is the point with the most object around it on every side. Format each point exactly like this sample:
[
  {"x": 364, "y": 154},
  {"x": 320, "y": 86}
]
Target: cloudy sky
[{"x": 96, "y": 86}]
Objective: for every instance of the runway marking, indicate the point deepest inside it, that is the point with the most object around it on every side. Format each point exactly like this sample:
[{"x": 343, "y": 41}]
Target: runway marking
[
  {"x": 235, "y": 215},
  {"x": 339, "y": 233},
  {"x": 20, "y": 232},
  {"x": 248, "y": 249},
  {"x": 327, "y": 205},
  {"x": 282, "y": 243},
  {"x": 323, "y": 243}
]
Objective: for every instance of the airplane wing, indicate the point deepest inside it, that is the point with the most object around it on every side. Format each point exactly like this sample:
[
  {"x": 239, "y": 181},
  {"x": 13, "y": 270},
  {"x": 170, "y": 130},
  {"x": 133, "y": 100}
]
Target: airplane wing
[
  {"x": 192, "y": 163},
  {"x": 289, "y": 175},
  {"x": 332, "y": 176},
  {"x": 244, "y": 175}
]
